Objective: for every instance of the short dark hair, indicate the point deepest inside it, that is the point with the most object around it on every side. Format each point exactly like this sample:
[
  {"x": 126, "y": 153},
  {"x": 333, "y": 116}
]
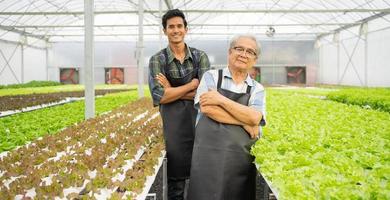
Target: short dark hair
[{"x": 173, "y": 13}]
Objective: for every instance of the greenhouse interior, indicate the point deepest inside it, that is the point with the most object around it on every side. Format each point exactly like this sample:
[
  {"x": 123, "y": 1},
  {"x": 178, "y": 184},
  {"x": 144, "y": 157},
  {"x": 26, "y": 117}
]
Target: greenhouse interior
[{"x": 78, "y": 118}]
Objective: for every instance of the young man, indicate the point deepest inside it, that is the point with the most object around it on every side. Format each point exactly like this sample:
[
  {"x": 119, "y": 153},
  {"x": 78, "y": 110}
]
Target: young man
[
  {"x": 174, "y": 75},
  {"x": 232, "y": 107}
]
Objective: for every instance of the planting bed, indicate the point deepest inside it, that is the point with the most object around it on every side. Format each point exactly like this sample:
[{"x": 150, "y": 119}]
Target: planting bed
[
  {"x": 321, "y": 149},
  {"x": 374, "y": 98},
  {"x": 312, "y": 148},
  {"x": 109, "y": 156},
  {"x": 17, "y": 129},
  {"x": 16, "y": 102}
]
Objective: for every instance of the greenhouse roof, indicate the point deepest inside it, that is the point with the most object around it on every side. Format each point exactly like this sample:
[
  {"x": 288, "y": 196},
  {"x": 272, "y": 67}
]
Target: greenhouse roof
[{"x": 117, "y": 20}]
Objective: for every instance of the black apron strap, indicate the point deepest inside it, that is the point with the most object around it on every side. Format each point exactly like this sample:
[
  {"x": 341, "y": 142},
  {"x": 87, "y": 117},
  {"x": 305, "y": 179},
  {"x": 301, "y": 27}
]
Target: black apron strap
[
  {"x": 248, "y": 89},
  {"x": 219, "y": 78},
  {"x": 166, "y": 64},
  {"x": 195, "y": 62}
]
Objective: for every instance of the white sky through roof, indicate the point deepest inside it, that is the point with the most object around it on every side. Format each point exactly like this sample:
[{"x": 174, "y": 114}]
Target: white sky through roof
[{"x": 62, "y": 20}]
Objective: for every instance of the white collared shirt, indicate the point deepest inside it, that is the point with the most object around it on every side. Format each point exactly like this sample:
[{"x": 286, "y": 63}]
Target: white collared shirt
[{"x": 210, "y": 80}]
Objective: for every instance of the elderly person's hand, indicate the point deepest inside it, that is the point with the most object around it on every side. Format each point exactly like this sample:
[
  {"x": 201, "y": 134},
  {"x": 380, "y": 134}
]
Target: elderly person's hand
[
  {"x": 252, "y": 130},
  {"x": 212, "y": 97}
]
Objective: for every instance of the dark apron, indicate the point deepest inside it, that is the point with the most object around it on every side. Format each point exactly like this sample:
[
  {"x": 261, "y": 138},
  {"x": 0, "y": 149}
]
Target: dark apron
[
  {"x": 222, "y": 167},
  {"x": 179, "y": 127}
]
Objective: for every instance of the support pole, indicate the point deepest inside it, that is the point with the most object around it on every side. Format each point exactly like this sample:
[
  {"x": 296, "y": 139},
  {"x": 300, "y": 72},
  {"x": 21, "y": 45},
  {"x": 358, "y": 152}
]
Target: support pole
[
  {"x": 337, "y": 40},
  {"x": 47, "y": 60},
  {"x": 321, "y": 65},
  {"x": 273, "y": 61},
  {"x": 89, "y": 62},
  {"x": 22, "y": 63},
  {"x": 366, "y": 56},
  {"x": 140, "y": 48},
  {"x": 160, "y": 31}
]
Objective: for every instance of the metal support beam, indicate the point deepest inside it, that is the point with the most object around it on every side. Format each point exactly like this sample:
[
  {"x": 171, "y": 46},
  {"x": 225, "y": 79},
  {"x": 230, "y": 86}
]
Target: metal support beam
[
  {"x": 7, "y": 61},
  {"x": 338, "y": 61},
  {"x": 381, "y": 14},
  {"x": 336, "y": 39},
  {"x": 318, "y": 48},
  {"x": 19, "y": 43},
  {"x": 273, "y": 60},
  {"x": 192, "y": 25},
  {"x": 169, "y": 4},
  {"x": 350, "y": 62},
  {"x": 140, "y": 48},
  {"x": 22, "y": 63},
  {"x": 366, "y": 55},
  {"x": 362, "y": 10},
  {"x": 15, "y": 30},
  {"x": 160, "y": 25},
  {"x": 89, "y": 59},
  {"x": 47, "y": 61},
  {"x": 206, "y": 34}
]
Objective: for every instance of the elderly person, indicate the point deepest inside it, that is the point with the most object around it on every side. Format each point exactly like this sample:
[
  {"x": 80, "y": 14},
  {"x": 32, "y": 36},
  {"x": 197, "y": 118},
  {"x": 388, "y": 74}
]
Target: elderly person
[{"x": 232, "y": 108}]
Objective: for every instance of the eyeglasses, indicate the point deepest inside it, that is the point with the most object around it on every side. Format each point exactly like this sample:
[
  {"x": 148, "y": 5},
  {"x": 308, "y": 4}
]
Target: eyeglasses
[{"x": 248, "y": 52}]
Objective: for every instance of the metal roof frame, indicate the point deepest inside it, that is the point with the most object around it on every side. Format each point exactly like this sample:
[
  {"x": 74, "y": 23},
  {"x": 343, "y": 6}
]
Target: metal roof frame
[
  {"x": 56, "y": 17},
  {"x": 74, "y": 13}
]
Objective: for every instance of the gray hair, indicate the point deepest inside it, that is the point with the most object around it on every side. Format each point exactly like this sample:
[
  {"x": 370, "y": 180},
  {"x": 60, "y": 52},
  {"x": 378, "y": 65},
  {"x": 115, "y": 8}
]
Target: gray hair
[{"x": 252, "y": 37}]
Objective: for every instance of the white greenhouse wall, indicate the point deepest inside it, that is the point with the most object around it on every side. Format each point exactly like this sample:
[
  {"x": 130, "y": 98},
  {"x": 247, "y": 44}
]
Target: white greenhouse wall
[
  {"x": 327, "y": 74},
  {"x": 351, "y": 69},
  {"x": 107, "y": 55},
  {"x": 34, "y": 64},
  {"x": 352, "y": 62},
  {"x": 11, "y": 64},
  {"x": 379, "y": 58},
  {"x": 275, "y": 58}
]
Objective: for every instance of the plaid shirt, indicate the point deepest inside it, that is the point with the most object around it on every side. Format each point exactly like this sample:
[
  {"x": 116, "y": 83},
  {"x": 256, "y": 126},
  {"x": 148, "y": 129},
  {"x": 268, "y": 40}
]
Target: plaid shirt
[{"x": 176, "y": 69}]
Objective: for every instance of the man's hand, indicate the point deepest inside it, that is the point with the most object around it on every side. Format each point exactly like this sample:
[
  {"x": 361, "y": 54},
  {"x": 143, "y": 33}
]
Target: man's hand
[
  {"x": 212, "y": 97},
  {"x": 189, "y": 95},
  {"x": 194, "y": 83},
  {"x": 163, "y": 80},
  {"x": 252, "y": 130},
  {"x": 166, "y": 84}
]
